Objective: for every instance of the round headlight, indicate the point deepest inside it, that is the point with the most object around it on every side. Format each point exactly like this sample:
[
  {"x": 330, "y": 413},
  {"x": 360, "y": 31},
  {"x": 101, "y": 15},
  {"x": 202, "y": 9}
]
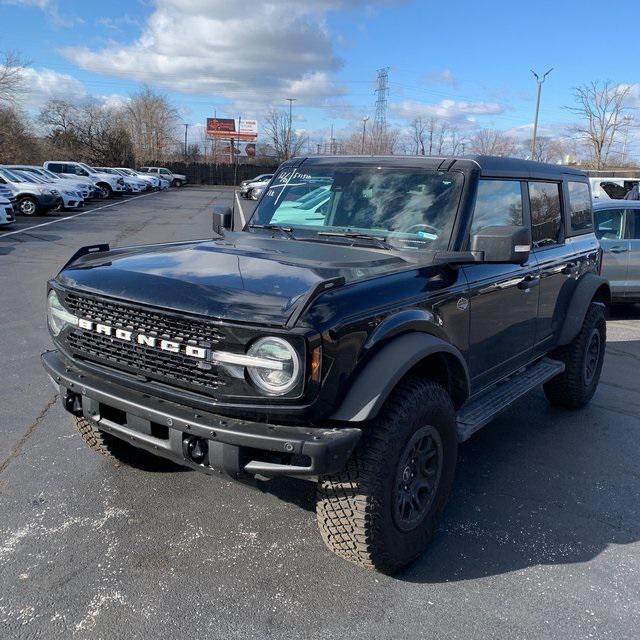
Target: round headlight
[
  {"x": 286, "y": 371},
  {"x": 57, "y": 315}
]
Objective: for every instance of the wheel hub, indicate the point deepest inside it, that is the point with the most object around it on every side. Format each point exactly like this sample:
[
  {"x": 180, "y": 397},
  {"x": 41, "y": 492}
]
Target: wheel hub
[
  {"x": 417, "y": 478},
  {"x": 592, "y": 356}
]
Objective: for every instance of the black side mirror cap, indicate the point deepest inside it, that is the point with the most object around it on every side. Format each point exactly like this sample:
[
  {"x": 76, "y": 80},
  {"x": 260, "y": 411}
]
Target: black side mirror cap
[
  {"x": 503, "y": 244},
  {"x": 222, "y": 219}
]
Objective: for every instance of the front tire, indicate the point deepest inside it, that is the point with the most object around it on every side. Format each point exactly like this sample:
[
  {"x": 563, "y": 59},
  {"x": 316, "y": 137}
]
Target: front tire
[
  {"x": 583, "y": 358},
  {"x": 177, "y": 183},
  {"x": 105, "y": 191},
  {"x": 28, "y": 206},
  {"x": 116, "y": 450},
  {"x": 381, "y": 512}
]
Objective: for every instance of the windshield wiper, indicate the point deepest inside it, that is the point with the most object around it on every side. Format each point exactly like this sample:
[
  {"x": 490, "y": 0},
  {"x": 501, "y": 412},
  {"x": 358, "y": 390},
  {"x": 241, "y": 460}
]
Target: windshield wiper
[
  {"x": 380, "y": 242},
  {"x": 286, "y": 231}
]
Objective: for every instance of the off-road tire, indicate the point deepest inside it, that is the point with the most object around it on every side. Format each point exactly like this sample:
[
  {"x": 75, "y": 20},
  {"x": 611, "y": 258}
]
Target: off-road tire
[
  {"x": 572, "y": 388},
  {"x": 116, "y": 450},
  {"x": 355, "y": 508}
]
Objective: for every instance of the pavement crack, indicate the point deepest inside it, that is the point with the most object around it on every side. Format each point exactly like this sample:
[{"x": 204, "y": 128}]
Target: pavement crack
[{"x": 17, "y": 447}]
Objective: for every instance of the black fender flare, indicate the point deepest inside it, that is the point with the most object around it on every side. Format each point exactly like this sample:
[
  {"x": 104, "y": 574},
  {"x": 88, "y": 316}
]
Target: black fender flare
[
  {"x": 590, "y": 286},
  {"x": 386, "y": 367}
]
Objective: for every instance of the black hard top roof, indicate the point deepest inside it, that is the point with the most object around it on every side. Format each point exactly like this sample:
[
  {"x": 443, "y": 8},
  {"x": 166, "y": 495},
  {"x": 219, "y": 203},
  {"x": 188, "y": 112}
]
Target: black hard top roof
[{"x": 489, "y": 166}]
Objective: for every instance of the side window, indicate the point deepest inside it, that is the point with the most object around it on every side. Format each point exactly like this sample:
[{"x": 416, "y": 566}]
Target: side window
[
  {"x": 165, "y": 172},
  {"x": 633, "y": 224},
  {"x": 580, "y": 205},
  {"x": 498, "y": 202},
  {"x": 609, "y": 224},
  {"x": 546, "y": 216},
  {"x": 613, "y": 190},
  {"x": 56, "y": 168}
]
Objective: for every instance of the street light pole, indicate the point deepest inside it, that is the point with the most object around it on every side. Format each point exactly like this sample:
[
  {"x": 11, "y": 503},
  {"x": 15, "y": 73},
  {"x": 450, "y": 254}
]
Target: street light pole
[
  {"x": 539, "y": 82},
  {"x": 291, "y": 101},
  {"x": 364, "y": 132},
  {"x": 186, "y": 128}
]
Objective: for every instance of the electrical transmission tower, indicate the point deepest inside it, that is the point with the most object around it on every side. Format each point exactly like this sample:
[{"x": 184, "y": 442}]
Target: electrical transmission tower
[{"x": 380, "y": 119}]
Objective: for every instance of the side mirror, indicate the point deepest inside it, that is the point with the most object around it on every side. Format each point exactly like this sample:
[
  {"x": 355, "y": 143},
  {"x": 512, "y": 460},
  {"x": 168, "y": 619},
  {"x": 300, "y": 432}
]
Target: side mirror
[
  {"x": 222, "y": 219},
  {"x": 503, "y": 244}
]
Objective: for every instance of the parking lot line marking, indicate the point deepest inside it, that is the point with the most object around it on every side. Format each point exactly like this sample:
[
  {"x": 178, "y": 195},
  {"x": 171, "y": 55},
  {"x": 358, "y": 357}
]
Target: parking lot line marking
[
  {"x": 242, "y": 218},
  {"x": 75, "y": 215}
]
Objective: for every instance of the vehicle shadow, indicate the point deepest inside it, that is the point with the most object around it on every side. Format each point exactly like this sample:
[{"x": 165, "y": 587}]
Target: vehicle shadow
[
  {"x": 624, "y": 312},
  {"x": 538, "y": 486}
]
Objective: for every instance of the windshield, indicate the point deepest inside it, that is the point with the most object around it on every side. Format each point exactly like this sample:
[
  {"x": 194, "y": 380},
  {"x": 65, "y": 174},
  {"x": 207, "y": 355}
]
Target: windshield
[
  {"x": 86, "y": 167},
  {"x": 48, "y": 174},
  {"x": 412, "y": 207},
  {"x": 26, "y": 176},
  {"x": 10, "y": 176}
]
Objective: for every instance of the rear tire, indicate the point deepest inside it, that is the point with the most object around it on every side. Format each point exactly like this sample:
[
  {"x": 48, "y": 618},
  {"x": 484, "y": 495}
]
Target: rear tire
[
  {"x": 118, "y": 451},
  {"x": 176, "y": 183},
  {"x": 583, "y": 358},
  {"x": 28, "y": 206},
  {"x": 382, "y": 510}
]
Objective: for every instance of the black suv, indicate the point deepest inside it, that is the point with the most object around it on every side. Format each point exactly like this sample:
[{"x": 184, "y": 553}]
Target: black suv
[{"x": 372, "y": 314}]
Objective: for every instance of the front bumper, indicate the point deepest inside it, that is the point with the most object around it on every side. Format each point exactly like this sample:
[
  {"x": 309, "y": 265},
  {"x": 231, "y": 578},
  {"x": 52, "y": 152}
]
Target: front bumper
[{"x": 236, "y": 447}]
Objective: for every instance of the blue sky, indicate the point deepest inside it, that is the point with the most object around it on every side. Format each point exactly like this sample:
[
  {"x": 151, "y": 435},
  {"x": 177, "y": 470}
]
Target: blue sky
[{"x": 468, "y": 62}]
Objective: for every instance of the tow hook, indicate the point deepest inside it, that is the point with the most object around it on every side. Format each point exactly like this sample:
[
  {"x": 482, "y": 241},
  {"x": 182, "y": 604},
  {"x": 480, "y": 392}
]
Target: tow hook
[{"x": 195, "y": 449}]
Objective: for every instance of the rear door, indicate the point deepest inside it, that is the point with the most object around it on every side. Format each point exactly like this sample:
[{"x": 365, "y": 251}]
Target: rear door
[
  {"x": 633, "y": 266},
  {"x": 503, "y": 298},
  {"x": 611, "y": 230}
]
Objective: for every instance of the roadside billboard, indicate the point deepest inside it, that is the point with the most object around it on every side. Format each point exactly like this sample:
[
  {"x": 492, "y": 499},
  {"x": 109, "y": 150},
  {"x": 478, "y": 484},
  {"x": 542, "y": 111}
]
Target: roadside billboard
[{"x": 228, "y": 128}]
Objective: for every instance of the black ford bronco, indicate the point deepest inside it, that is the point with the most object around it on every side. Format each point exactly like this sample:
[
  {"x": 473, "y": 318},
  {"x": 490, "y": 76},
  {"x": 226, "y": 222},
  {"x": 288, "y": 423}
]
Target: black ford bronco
[{"x": 373, "y": 313}]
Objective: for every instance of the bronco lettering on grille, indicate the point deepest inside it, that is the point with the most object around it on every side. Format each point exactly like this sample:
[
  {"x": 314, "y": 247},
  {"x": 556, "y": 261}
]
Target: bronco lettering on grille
[{"x": 172, "y": 346}]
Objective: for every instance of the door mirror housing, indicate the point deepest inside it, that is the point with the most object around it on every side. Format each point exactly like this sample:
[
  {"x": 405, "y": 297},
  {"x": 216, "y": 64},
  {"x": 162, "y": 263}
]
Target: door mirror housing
[
  {"x": 222, "y": 220},
  {"x": 503, "y": 244}
]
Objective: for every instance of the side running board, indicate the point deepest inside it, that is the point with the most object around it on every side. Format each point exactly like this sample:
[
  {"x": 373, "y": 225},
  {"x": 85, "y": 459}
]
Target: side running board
[{"x": 478, "y": 412}]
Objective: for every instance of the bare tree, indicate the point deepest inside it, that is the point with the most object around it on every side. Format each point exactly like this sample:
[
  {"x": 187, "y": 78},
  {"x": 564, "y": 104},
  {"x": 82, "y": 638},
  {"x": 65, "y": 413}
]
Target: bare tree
[
  {"x": 418, "y": 128},
  {"x": 17, "y": 142},
  {"x": 491, "y": 142},
  {"x": 11, "y": 78},
  {"x": 285, "y": 143},
  {"x": 441, "y": 136},
  {"x": 600, "y": 106},
  {"x": 89, "y": 131},
  {"x": 152, "y": 123}
]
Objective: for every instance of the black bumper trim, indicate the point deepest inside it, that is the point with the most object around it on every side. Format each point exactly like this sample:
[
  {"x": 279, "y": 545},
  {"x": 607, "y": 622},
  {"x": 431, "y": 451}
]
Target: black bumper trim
[{"x": 327, "y": 449}]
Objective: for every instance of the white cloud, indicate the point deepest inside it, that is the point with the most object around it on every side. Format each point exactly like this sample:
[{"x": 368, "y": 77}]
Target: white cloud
[
  {"x": 445, "y": 76},
  {"x": 249, "y": 52},
  {"x": 50, "y": 8},
  {"x": 42, "y": 84},
  {"x": 457, "y": 112}
]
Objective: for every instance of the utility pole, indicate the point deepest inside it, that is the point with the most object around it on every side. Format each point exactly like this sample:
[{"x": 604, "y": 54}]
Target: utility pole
[
  {"x": 291, "y": 101},
  {"x": 235, "y": 164},
  {"x": 186, "y": 128},
  {"x": 332, "y": 142},
  {"x": 539, "y": 82},
  {"x": 364, "y": 132}
]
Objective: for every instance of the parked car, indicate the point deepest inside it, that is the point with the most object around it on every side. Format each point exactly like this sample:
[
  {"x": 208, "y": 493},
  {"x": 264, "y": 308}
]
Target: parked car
[
  {"x": 244, "y": 185},
  {"x": 356, "y": 351},
  {"x": 617, "y": 224},
  {"x": 7, "y": 194},
  {"x": 31, "y": 198},
  {"x": 70, "y": 199},
  {"x": 59, "y": 182},
  {"x": 612, "y": 188},
  {"x": 7, "y": 214},
  {"x": 156, "y": 182},
  {"x": 107, "y": 184},
  {"x": 174, "y": 179},
  {"x": 135, "y": 184},
  {"x": 255, "y": 189}
]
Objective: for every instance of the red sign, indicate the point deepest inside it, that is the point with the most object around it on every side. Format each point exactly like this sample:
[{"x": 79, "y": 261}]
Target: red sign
[{"x": 225, "y": 129}]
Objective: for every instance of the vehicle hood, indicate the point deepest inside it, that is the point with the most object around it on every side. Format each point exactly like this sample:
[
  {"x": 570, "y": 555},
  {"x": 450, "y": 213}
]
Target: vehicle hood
[{"x": 244, "y": 277}]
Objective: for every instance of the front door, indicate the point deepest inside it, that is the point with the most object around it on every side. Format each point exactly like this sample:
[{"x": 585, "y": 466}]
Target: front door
[
  {"x": 610, "y": 230},
  {"x": 503, "y": 298}
]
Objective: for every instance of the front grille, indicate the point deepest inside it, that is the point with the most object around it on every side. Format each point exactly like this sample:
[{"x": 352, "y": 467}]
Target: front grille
[{"x": 173, "y": 368}]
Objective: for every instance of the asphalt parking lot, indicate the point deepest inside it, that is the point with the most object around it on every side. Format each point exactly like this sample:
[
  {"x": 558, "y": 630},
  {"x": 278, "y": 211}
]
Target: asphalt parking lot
[{"x": 541, "y": 537}]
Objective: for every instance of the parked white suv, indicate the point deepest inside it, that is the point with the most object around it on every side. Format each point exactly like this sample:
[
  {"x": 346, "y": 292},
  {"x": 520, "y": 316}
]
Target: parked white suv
[
  {"x": 611, "y": 188},
  {"x": 175, "y": 179},
  {"x": 107, "y": 184},
  {"x": 156, "y": 182},
  {"x": 7, "y": 214},
  {"x": 135, "y": 184},
  {"x": 58, "y": 182}
]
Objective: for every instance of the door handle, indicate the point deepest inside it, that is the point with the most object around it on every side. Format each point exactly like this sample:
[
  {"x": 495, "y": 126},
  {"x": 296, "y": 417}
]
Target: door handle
[
  {"x": 570, "y": 269},
  {"x": 528, "y": 282},
  {"x": 618, "y": 249}
]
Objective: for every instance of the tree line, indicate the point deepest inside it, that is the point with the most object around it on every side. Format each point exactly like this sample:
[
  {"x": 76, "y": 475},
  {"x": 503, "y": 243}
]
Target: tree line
[{"x": 146, "y": 127}]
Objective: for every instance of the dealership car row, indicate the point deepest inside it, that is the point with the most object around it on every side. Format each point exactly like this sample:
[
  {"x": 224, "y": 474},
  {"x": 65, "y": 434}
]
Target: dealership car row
[{"x": 31, "y": 190}]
